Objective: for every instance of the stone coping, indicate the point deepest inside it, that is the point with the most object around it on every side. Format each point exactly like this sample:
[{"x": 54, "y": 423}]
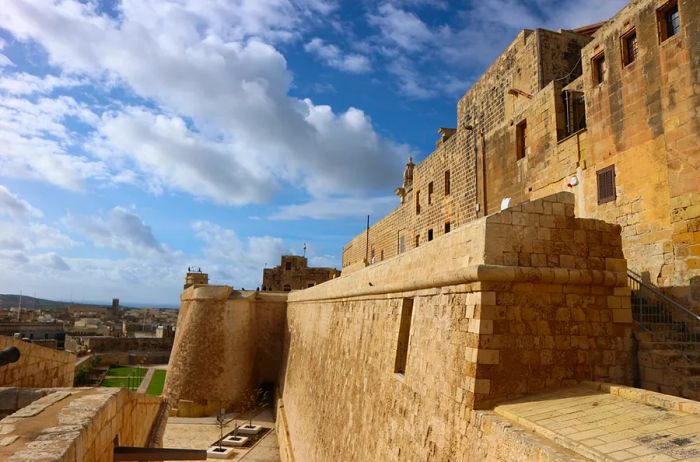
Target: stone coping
[
  {"x": 651, "y": 398},
  {"x": 223, "y": 292},
  {"x": 370, "y": 282}
]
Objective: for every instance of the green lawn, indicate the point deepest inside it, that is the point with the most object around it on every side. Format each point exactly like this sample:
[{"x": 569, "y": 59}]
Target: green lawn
[
  {"x": 119, "y": 377},
  {"x": 115, "y": 371},
  {"x": 155, "y": 388}
]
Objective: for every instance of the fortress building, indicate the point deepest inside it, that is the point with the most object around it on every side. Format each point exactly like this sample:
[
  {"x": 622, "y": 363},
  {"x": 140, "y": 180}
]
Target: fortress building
[
  {"x": 607, "y": 112},
  {"x": 493, "y": 314},
  {"x": 294, "y": 273}
]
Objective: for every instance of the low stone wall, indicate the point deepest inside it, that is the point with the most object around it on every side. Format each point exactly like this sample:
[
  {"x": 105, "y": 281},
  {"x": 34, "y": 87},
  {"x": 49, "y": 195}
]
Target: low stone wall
[
  {"x": 667, "y": 370},
  {"x": 38, "y": 366},
  {"x": 79, "y": 424},
  {"x": 526, "y": 300}
]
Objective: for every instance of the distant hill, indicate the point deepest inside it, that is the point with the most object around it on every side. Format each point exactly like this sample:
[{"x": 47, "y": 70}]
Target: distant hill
[{"x": 8, "y": 301}]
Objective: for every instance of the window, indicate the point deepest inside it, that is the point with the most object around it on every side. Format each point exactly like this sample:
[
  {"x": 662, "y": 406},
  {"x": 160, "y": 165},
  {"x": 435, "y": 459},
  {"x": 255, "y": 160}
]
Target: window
[
  {"x": 288, "y": 266},
  {"x": 381, "y": 257},
  {"x": 287, "y": 287},
  {"x": 430, "y": 235},
  {"x": 520, "y": 140},
  {"x": 447, "y": 227},
  {"x": 417, "y": 202},
  {"x": 417, "y": 240},
  {"x": 402, "y": 244},
  {"x": 669, "y": 20},
  {"x": 447, "y": 182},
  {"x": 606, "y": 185},
  {"x": 430, "y": 193},
  {"x": 629, "y": 47},
  {"x": 404, "y": 336},
  {"x": 599, "y": 68},
  {"x": 574, "y": 110}
]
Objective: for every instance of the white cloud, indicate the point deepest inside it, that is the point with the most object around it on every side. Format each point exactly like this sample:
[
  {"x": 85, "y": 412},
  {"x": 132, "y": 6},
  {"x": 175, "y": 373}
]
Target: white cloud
[
  {"x": 218, "y": 87},
  {"x": 336, "y": 208},
  {"x": 16, "y": 207},
  {"x": 231, "y": 260},
  {"x": 333, "y": 57},
  {"x": 21, "y": 83},
  {"x": 35, "y": 143},
  {"x": 401, "y": 27},
  {"x": 5, "y": 61},
  {"x": 121, "y": 229}
]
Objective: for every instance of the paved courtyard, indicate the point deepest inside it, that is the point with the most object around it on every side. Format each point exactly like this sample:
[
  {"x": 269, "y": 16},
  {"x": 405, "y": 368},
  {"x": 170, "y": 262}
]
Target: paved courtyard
[{"x": 200, "y": 433}]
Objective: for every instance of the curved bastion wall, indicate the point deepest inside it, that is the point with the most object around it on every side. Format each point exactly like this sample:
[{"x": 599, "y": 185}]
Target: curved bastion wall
[{"x": 227, "y": 343}]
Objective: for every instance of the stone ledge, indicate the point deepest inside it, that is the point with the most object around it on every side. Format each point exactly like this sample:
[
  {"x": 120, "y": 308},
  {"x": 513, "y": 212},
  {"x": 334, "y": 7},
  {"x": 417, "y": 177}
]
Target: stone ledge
[
  {"x": 651, "y": 398},
  {"x": 370, "y": 282}
]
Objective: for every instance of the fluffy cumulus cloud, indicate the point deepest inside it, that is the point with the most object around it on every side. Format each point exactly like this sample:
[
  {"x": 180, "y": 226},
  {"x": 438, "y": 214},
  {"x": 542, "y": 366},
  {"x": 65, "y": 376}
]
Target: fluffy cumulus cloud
[
  {"x": 234, "y": 260},
  {"x": 220, "y": 123},
  {"x": 120, "y": 229},
  {"x": 334, "y": 57}
]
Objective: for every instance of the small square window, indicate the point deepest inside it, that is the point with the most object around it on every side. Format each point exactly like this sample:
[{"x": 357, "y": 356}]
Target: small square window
[
  {"x": 430, "y": 235},
  {"x": 447, "y": 182},
  {"x": 669, "y": 20},
  {"x": 447, "y": 227},
  {"x": 599, "y": 69},
  {"x": 606, "y": 185},
  {"x": 630, "y": 49},
  {"x": 520, "y": 140}
]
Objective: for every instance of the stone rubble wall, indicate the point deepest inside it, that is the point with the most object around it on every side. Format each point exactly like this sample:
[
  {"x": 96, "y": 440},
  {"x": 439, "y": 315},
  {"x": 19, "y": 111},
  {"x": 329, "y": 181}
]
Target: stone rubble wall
[
  {"x": 38, "y": 366},
  {"x": 526, "y": 300}
]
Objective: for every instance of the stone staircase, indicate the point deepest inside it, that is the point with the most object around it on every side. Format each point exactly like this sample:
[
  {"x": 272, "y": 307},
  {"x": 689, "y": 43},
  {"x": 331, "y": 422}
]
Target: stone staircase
[{"x": 668, "y": 340}]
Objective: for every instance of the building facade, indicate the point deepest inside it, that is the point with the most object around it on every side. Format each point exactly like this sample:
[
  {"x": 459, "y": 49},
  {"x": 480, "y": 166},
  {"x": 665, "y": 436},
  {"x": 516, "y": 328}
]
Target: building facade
[
  {"x": 294, "y": 273},
  {"x": 608, "y": 112}
]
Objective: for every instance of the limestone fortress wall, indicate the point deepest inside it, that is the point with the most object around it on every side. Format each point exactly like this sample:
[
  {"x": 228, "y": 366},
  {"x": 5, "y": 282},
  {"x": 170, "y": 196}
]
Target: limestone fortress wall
[
  {"x": 227, "y": 342},
  {"x": 389, "y": 362}
]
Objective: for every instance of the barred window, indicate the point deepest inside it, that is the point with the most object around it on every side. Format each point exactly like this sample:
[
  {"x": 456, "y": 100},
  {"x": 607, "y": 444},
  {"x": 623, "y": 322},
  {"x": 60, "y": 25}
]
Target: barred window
[{"x": 606, "y": 185}]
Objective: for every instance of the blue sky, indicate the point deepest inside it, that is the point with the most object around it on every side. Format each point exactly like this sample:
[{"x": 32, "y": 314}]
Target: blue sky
[{"x": 139, "y": 137}]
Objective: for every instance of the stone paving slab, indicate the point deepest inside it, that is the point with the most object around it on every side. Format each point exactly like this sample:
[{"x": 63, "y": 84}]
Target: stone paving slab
[{"x": 604, "y": 426}]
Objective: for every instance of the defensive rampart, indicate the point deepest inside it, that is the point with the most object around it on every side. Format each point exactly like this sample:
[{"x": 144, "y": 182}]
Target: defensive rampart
[
  {"x": 227, "y": 343},
  {"x": 389, "y": 362},
  {"x": 38, "y": 366}
]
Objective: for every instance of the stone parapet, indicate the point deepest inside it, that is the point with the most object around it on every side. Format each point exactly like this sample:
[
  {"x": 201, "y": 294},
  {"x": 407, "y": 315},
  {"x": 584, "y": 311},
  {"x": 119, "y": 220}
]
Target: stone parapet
[{"x": 37, "y": 366}]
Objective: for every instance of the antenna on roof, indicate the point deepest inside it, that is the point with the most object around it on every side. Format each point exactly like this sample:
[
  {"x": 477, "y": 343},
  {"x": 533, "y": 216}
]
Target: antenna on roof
[{"x": 304, "y": 248}]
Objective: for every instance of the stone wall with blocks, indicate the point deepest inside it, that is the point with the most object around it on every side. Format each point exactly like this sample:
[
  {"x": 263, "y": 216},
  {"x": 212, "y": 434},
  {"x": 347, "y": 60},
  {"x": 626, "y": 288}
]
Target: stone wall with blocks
[{"x": 525, "y": 300}]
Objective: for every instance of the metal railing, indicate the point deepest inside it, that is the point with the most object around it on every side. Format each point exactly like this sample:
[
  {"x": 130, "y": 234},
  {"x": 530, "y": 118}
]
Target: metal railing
[{"x": 667, "y": 320}]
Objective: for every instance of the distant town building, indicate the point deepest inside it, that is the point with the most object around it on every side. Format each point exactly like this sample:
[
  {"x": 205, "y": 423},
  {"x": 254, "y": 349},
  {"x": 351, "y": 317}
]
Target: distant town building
[{"x": 294, "y": 273}]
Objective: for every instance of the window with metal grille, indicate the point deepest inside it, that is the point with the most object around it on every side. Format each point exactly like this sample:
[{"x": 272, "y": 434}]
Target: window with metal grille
[
  {"x": 430, "y": 193},
  {"x": 404, "y": 336},
  {"x": 599, "y": 68},
  {"x": 447, "y": 227},
  {"x": 629, "y": 47},
  {"x": 447, "y": 182},
  {"x": 669, "y": 20},
  {"x": 520, "y": 140},
  {"x": 606, "y": 185},
  {"x": 402, "y": 244}
]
